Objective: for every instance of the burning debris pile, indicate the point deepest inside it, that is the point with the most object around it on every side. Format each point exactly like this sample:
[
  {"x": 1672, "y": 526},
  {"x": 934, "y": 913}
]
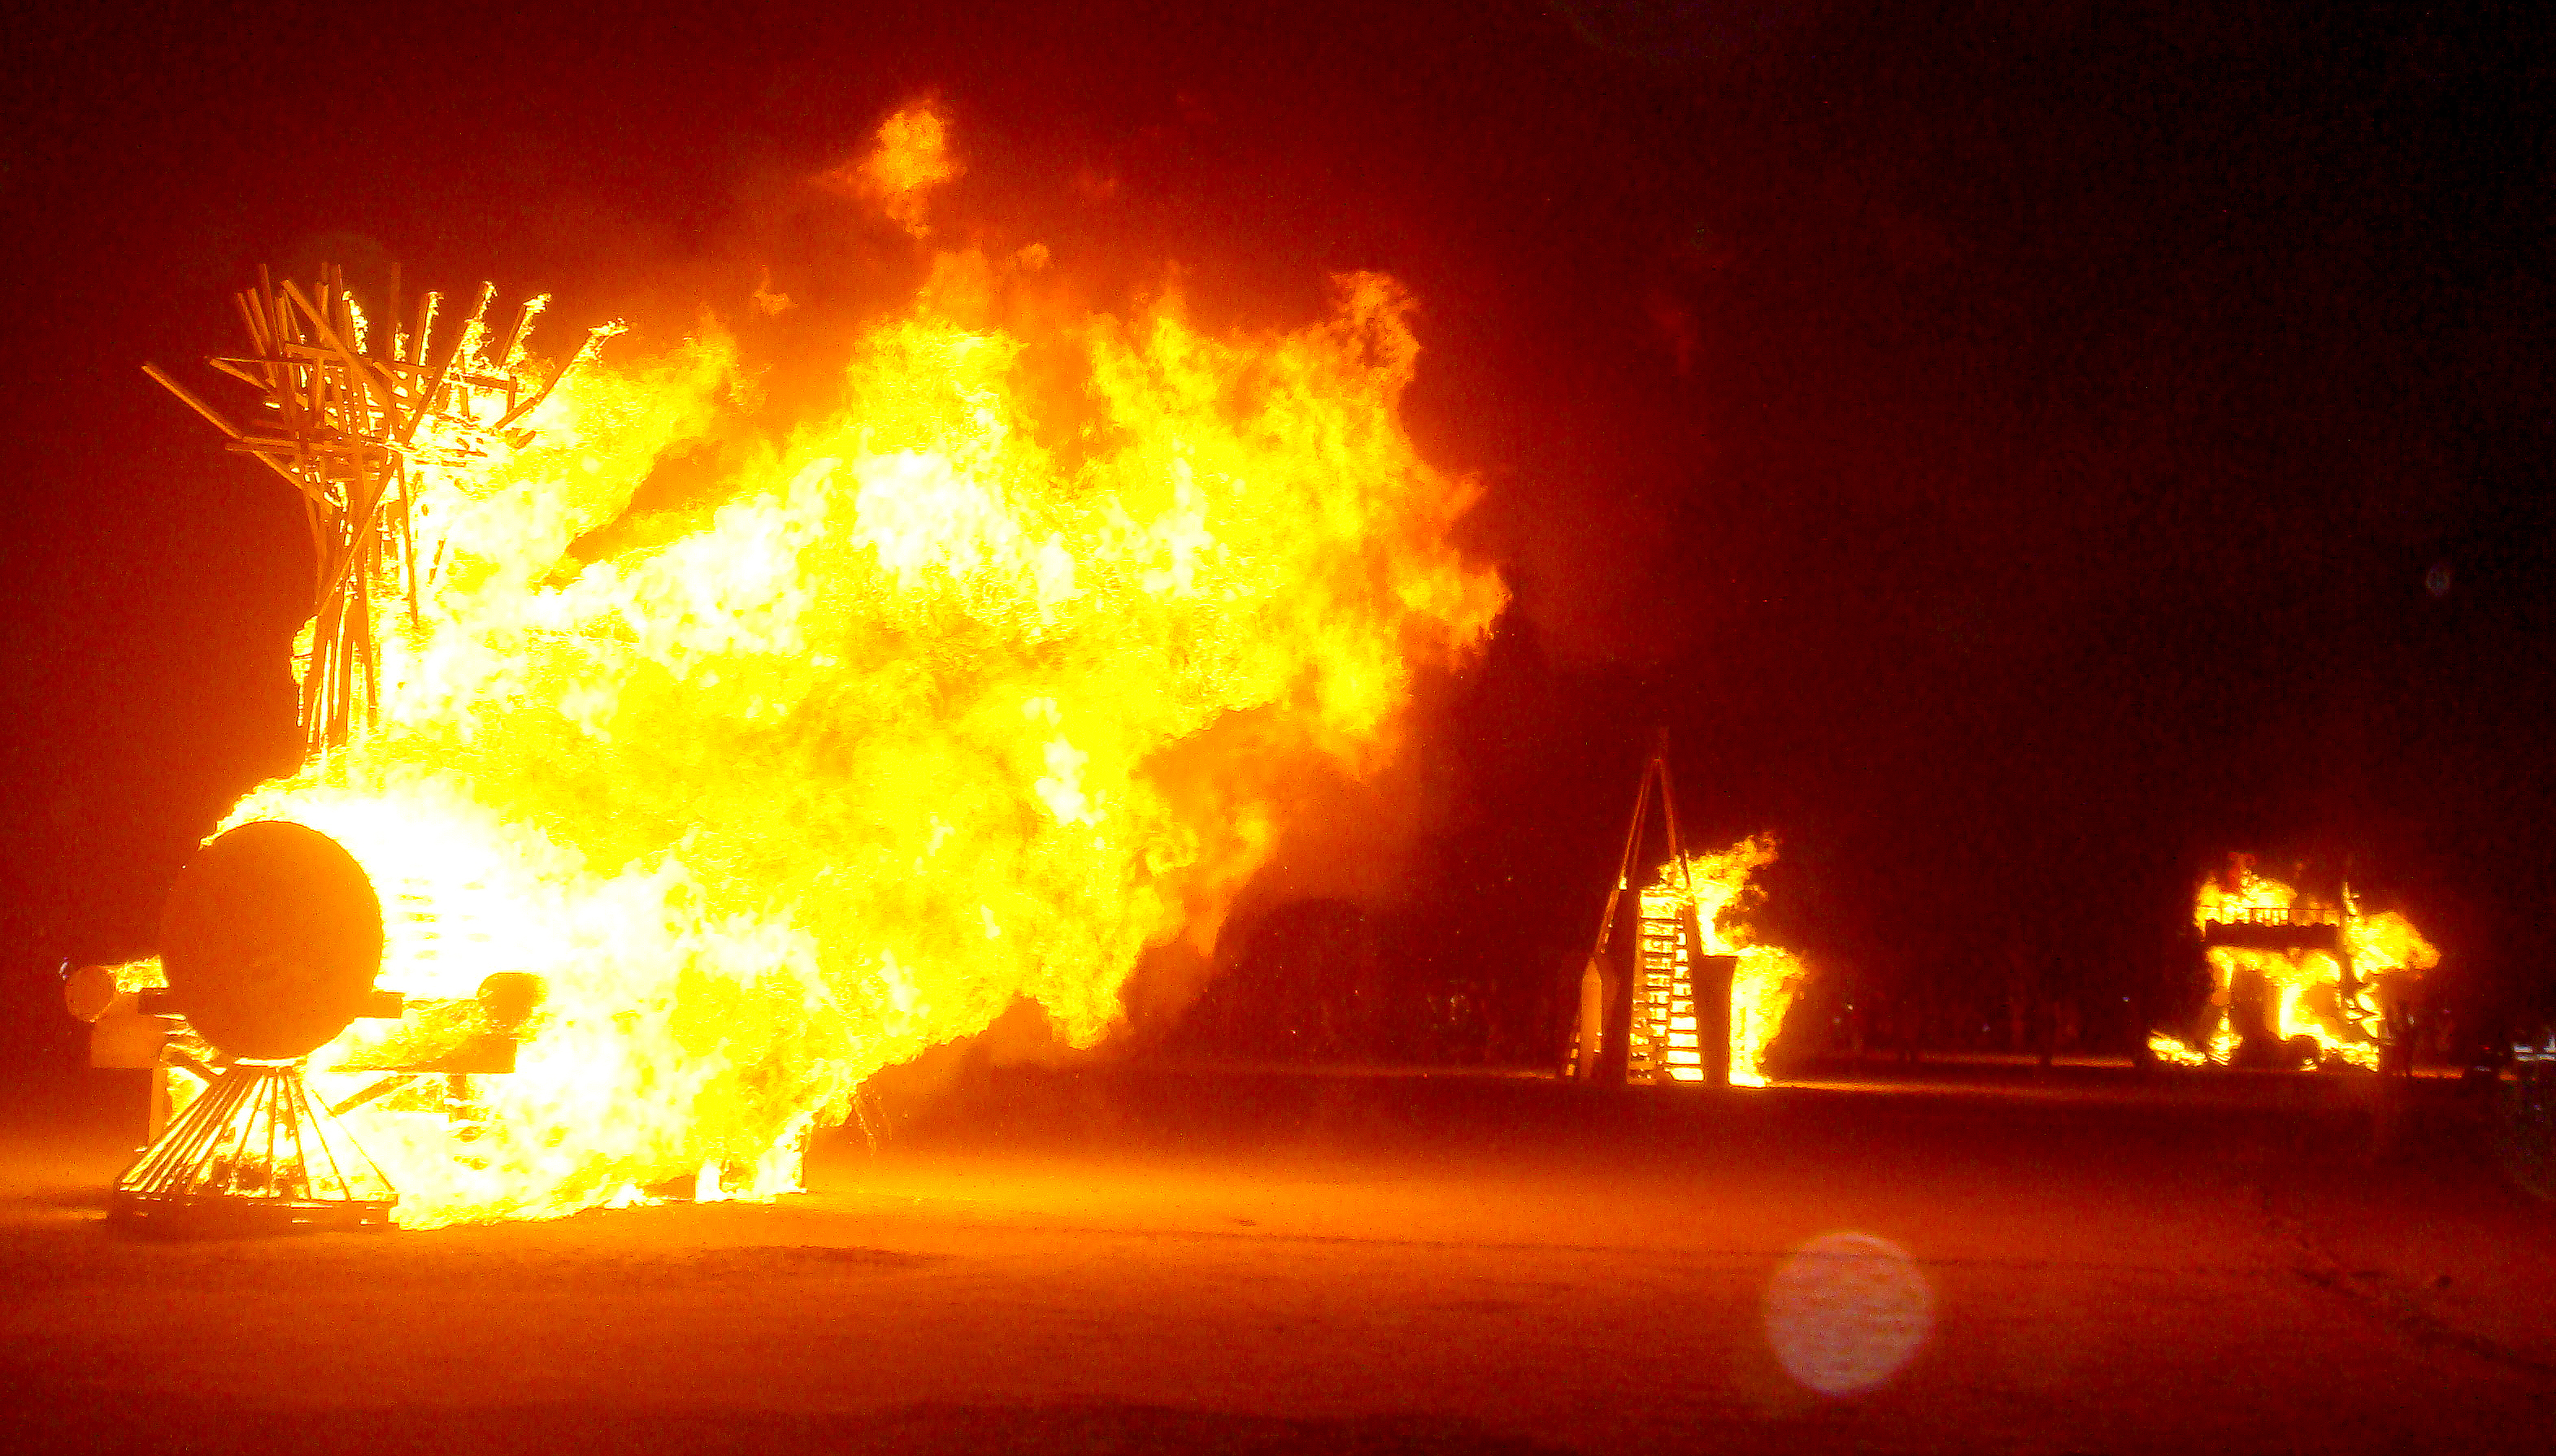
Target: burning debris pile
[
  {"x": 929, "y": 705},
  {"x": 2297, "y": 979}
]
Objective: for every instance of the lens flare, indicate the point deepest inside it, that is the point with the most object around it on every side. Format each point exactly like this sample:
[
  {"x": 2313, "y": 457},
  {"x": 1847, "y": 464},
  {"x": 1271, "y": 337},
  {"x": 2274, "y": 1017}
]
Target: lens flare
[{"x": 1846, "y": 1312}]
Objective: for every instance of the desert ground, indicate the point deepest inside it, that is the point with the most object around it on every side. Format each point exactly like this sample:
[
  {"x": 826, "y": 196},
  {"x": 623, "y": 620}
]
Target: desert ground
[{"x": 1159, "y": 1259}]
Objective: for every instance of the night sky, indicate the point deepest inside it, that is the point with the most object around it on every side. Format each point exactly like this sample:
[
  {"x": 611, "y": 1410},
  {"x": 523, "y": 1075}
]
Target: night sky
[{"x": 2020, "y": 454}]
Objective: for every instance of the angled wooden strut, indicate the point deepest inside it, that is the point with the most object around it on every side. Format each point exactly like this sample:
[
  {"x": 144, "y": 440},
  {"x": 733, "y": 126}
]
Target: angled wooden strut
[{"x": 352, "y": 415}]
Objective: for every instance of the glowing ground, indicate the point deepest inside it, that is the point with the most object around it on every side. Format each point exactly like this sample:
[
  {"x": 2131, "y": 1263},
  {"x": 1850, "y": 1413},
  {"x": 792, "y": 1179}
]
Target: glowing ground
[{"x": 1288, "y": 1263}]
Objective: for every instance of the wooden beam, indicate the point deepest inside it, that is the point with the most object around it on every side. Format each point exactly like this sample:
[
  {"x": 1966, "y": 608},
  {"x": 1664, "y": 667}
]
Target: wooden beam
[
  {"x": 376, "y": 381},
  {"x": 424, "y": 327},
  {"x": 242, "y": 375},
  {"x": 192, "y": 403},
  {"x": 594, "y": 341},
  {"x": 435, "y": 388},
  {"x": 256, "y": 328},
  {"x": 531, "y": 309}
]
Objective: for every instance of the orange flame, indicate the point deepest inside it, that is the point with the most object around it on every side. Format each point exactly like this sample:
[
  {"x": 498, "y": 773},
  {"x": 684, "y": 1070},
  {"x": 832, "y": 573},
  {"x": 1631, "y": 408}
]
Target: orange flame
[
  {"x": 933, "y": 709},
  {"x": 911, "y": 158}
]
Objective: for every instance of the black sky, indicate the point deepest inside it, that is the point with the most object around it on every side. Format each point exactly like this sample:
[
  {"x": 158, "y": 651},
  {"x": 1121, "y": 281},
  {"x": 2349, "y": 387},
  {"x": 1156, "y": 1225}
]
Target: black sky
[{"x": 2006, "y": 445}]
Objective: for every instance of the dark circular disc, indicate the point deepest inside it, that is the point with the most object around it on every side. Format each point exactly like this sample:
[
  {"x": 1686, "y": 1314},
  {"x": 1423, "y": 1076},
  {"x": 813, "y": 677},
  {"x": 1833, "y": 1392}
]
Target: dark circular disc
[
  {"x": 270, "y": 940},
  {"x": 88, "y": 992}
]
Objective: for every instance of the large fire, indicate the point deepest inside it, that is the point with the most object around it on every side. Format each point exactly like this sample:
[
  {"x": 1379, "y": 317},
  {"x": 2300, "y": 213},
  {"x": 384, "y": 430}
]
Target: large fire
[
  {"x": 928, "y": 706},
  {"x": 2305, "y": 993},
  {"x": 1766, "y": 978}
]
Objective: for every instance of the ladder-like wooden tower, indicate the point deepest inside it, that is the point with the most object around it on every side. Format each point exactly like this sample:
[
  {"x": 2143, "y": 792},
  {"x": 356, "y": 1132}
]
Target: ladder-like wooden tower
[{"x": 1665, "y": 1018}]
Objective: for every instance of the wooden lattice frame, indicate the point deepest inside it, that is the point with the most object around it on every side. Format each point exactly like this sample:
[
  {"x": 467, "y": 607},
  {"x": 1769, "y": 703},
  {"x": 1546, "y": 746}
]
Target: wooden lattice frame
[{"x": 353, "y": 413}]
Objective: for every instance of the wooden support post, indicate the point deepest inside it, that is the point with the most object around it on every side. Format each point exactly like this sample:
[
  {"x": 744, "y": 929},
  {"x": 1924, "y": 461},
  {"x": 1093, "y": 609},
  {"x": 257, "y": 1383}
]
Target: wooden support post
[{"x": 1712, "y": 975}]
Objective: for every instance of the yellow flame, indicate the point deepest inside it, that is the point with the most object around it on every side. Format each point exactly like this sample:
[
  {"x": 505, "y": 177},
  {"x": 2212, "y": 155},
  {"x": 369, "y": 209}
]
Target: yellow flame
[
  {"x": 2168, "y": 1048},
  {"x": 1767, "y": 978},
  {"x": 923, "y": 714}
]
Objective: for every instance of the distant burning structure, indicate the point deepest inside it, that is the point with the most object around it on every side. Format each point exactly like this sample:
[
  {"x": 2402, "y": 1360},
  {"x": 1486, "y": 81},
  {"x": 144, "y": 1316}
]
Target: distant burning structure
[
  {"x": 1699, "y": 1001},
  {"x": 2297, "y": 979}
]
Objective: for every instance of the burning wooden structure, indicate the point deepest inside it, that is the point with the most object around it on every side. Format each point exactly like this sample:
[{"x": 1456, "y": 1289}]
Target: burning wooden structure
[
  {"x": 1684, "y": 1005},
  {"x": 349, "y": 413},
  {"x": 273, "y": 932},
  {"x": 2296, "y": 980},
  {"x": 605, "y": 667},
  {"x": 1680, "y": 1027}
]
